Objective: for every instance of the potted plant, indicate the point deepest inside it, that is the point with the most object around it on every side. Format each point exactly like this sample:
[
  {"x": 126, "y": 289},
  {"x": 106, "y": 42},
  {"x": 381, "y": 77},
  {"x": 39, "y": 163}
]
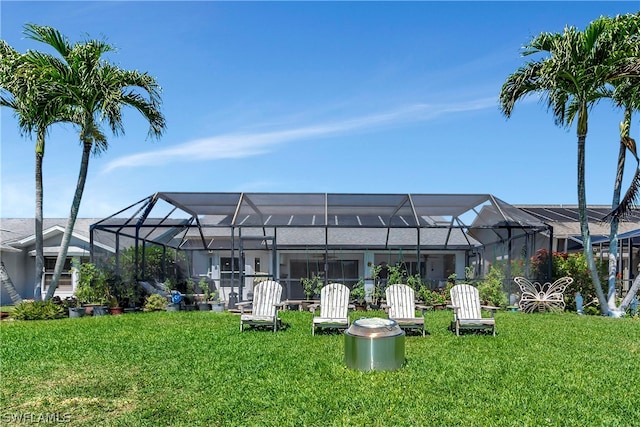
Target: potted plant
[
  {"x": 205, "y": 296},
  {"x": 438, "y": 300},
  {"x": 358, "y": 294},
  {"x": 214, "y": 301},
  {"x": 114, "y": 306},
  {"x": 73, "y": 307},
  {"x": 92, "y": 290},
  {"x": 131, "y": 296},
  {"x": 415, "y": 282},
  {"x": 189, "y": 296},
  {"x": 121, "y": 295},
  {"x": 382, "y": 276},
  {"x": 311, "y": 286}
]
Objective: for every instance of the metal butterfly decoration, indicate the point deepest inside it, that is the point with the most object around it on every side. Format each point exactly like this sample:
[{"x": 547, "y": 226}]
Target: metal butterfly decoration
[{"x": 547, "y": 297}]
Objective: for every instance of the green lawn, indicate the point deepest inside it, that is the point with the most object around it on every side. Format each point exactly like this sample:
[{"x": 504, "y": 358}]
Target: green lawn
[{"x": 196, "y": 368}]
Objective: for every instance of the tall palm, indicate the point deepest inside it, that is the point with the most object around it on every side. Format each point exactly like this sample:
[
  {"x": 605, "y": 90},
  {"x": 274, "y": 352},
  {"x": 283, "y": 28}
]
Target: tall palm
[
  {"x": 627, "y": 96},
  {"x": 624, "y": 32},
  {"x": 96, "y": 91},
  {"x": 574, "y": 73},
  {"x": 25, "y": 90}
]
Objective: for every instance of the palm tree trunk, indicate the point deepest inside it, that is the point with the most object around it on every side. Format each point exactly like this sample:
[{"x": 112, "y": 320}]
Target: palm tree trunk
[
  {"x": 75, "y": 206},
  {"x": 629, "y": 297},
  {"x": 8, "y": 285},
  {"x": 613, "y": 231},
  {"x": 37, "y": 290},
  {"x": 582, "y": 211},
  {"x": 625, "y": 131}
]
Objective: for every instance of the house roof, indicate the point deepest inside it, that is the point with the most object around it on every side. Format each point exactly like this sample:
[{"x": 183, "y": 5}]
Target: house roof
[
  {"x": 19, "y": 232},
  {"x": 569, "y": 213},
  {"x": 566, "y": 222}
]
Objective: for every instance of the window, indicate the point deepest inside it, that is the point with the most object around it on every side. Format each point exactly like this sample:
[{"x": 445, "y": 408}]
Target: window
[
  {"x": 342, "y": 271},
  {"x": 64, "y": 284},
  {"x": 226, "y": 271}
]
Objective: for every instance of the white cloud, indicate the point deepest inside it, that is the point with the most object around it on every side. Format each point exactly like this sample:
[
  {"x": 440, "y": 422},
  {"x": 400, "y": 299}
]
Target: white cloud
[{"x": 240, "y": 145}]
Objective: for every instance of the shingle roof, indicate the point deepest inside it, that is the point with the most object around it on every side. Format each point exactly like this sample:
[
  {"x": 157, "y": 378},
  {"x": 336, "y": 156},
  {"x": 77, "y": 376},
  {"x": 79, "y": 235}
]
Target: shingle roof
[
  {"x": 566, "y": 223},
  {"x": 12, "y": 230},
  {"x": 569, "y": 213}
]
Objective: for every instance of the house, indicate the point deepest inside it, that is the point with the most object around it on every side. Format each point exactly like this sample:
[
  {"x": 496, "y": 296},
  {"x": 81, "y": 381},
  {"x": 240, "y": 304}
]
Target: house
[
  {"x": 567, "y": 236},
  {"x": 17, "y": 251},
  {"x": 338, "y": 237}
]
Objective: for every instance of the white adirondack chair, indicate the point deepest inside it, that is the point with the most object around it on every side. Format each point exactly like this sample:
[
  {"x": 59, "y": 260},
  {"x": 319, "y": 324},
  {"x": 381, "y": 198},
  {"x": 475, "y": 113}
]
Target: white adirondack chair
[
  {"x": 467, "y": 314},
  {"x": 401, "y": 305},
  {"x": 334, "y": 308},
  {"x": 265, "y": 304}
]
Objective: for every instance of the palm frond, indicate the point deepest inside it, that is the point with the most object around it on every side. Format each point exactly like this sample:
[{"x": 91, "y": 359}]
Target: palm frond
[
  {"x": 628, "y": 203},
  {"x": 50, "y": 36},
  {"x": 525, "y": 81}
]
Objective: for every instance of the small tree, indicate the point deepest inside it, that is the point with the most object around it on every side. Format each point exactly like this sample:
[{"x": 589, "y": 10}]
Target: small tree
[{"x": 490, "y": 289}]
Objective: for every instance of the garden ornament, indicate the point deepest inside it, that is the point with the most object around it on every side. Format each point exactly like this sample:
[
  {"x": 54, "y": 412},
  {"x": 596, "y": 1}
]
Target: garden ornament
[{"x": 176, "y": 297}]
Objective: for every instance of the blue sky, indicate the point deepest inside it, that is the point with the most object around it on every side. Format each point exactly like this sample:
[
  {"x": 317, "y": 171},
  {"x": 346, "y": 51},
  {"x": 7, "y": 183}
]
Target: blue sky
[{"x": 371, "y": 97}]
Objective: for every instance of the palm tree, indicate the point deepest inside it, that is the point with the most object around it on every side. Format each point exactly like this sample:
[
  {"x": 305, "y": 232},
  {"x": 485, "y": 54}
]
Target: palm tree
[
  {"x": 619, "y": 208},
  {"x": 25, "y": 90},
  {"x": 623, "y": 32},
  {"x": 574, "y": 73},
  {"x": 95, "y": 91}
]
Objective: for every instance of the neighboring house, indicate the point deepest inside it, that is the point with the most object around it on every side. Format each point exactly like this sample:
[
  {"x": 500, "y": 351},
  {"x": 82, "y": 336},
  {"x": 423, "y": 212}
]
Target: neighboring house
[
  {"x": 17, "y": 250},
  {"x": 567, "y": 237}
]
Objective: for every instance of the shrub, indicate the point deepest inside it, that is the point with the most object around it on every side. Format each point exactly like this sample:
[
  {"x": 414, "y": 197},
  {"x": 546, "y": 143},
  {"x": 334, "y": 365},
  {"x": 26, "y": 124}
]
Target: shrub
[
  {"x": 432, "y": 297},
  {"x": 155, "y": 302},
  {"x": 415, "y": 282},
  {"x": 38, "y": 310},
  {"x": 92, "y": 285},
  {"x": 573, "y": 265},
  {"x": 490, "y": 289}
]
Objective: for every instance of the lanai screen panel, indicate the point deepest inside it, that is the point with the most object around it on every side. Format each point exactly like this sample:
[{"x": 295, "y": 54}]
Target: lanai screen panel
[
  {"x": 164, "y": 217},
  {"x": 281, "y": 210},
  {"x": 501, "y": 222},
  {"x": 444, "y": 210},
  {"x": 370, "y": 210},
  {"x": 200, "y": 204}
]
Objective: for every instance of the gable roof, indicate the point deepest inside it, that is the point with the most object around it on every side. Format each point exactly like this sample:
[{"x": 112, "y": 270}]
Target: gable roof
[{"x": 19, "y": 232}]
